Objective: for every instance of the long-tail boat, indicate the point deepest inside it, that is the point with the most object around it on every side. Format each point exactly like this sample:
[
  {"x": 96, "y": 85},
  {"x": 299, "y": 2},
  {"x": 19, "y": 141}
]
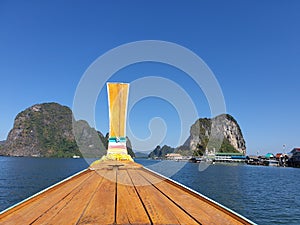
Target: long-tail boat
[{"x": 116, "y": 190}]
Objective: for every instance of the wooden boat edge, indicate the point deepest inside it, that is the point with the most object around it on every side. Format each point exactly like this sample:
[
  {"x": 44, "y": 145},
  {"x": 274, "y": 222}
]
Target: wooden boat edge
[
  {"x": 30, "y": 198},
  {"x": 218, "y": 205}
]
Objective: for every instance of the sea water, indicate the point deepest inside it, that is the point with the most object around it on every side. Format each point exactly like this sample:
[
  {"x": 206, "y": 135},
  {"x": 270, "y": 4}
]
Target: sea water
[{"x": 265, "y": 195}]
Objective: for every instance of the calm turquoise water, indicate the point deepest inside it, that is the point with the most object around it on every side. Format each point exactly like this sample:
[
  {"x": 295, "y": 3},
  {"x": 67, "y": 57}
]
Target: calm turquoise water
[{"x": 266, "y": 195}]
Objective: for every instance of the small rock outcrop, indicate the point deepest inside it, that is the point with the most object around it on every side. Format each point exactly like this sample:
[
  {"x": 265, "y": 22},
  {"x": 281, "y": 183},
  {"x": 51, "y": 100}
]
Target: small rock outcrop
[{"x": 161, "y": 152}]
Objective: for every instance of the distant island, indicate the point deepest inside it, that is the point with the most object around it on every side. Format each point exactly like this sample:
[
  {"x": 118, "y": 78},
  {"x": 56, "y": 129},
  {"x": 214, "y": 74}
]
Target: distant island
[
  {"x": 45, "y": 130},
  {"x": 227, "y": 128},
  {"x": 141, "y": 155}
]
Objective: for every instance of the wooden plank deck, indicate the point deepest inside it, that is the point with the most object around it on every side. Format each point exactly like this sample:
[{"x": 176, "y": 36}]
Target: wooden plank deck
[{"x": 119, "y": 193}]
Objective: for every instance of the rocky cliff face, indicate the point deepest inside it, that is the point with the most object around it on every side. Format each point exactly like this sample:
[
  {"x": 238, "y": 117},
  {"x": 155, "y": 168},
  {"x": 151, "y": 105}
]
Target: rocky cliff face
[
  {"x": 1, "y": 145},
  {"x": 92, "y": 143},
  {"x": 42, "y": 130},
  {"x": 226, "y": 131}
]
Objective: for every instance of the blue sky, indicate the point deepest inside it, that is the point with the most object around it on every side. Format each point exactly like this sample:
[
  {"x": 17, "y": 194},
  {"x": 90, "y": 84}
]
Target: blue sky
[{"x": 252, "y": 47}]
